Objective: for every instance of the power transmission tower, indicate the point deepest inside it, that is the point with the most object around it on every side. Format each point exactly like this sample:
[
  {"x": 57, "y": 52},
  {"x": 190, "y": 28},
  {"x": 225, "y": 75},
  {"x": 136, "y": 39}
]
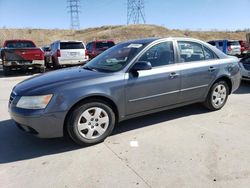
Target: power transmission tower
[
  {"x": 74, "y": 10},
  {"x": 136, "y": 12}
]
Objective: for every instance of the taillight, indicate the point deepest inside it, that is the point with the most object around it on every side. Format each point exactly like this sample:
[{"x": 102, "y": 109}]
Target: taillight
[
  {"x": 58, "y": 53},
  {"x": 229, "y": 48},
  {"x": 42, "y": 55}
]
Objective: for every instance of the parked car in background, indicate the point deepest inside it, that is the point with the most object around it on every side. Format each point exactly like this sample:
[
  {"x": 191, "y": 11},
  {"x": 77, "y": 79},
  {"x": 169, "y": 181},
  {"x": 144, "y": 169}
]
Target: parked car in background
[
  {"x": 21, "y": 55},
  {"x": 0, "y": 56},
  {"x": 131, "y": 79},
  {"x": 245, "y": 47},
  {"x": 95, "y": 48},
  {"x": 248, "y": 37},
  {"x": 47, "y": 59},
  {"x": 245, "y": 68},
  {"x": 68, "y": 53},
  {"x": 229, "y": 47}
]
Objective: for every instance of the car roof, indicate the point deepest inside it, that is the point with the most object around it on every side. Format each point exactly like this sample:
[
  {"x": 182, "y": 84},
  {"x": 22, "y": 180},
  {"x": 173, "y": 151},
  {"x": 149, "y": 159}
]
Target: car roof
[
  {"x": 188, "y": 39},
  {"x": 223, "y": 40},
  {"x": 17, "y": 40},
  {"x": 110, "y": 40},
  {"x": 150, "y": 40}
]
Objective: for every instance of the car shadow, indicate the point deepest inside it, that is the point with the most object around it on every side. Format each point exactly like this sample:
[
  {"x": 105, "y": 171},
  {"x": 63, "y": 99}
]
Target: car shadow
[
  {"x": 16, "y": 145},
  {"x": 244, "y": 88},
  {"x": 17, "y": 74}
]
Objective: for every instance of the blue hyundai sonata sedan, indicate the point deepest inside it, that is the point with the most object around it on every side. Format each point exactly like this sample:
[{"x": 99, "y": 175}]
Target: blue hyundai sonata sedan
[{"x": 131, "y": 79}]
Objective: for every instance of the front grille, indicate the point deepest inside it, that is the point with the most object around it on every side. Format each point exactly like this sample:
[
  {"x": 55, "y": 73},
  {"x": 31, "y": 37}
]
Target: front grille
[
  {"x": 246, "y": 66},
  {"x": 12, "y": 97}
]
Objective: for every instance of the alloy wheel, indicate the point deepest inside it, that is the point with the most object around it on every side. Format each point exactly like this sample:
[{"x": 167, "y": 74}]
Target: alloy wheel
[
  {"x": 219, "y": 95},
  {"x": 93, "y": 123}
]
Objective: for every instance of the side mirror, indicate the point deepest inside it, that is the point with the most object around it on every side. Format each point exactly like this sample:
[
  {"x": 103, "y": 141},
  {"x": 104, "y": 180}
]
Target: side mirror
[{"x": 141, "y": 65}]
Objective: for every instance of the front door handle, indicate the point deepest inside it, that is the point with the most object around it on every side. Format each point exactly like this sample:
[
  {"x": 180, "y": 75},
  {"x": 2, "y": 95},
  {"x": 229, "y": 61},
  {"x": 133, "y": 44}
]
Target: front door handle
[
  {"x": 173, "y": 75},
  {"x": 211, "y": 69}
]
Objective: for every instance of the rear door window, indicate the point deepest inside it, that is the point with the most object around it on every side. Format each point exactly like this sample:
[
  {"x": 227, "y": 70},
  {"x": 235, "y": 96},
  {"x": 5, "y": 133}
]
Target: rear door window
[
  {"x": 190, "y": 51},
  {"x": 209, "y": 54},
  {"x": 71, "y": 45}
]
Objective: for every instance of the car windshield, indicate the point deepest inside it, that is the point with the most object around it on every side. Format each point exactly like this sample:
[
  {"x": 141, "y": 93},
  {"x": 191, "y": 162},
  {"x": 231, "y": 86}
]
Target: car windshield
[
  {"x": 71, "y": 45},
  {"x": 115, "y": 58},
  {"x": 20, "y": 44},
  {"x": 233, "y": 43},
  {"x": 104, "y": 44},
  {"x": 245, "y": 60}
]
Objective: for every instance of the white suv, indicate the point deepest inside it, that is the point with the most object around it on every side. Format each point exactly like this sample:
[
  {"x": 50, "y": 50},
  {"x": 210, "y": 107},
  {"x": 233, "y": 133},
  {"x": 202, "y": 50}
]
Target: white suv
[{"x": 66, "y": 53}]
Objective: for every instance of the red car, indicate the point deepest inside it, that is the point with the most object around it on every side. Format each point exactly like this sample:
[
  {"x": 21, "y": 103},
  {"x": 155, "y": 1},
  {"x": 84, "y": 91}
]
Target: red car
[
  {"x": 21, "y": 55},
  {"x": 95, "y": 48},
  {"x": 245, "y": 47}
]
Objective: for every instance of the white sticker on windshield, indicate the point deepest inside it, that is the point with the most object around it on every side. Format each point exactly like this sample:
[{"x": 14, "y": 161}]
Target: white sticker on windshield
[{"x": 134, "y": 46}]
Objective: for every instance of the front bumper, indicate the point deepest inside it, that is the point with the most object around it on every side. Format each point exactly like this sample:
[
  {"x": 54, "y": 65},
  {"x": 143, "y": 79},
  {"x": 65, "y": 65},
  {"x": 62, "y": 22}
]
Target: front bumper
[{"x": 38, "y": 123}]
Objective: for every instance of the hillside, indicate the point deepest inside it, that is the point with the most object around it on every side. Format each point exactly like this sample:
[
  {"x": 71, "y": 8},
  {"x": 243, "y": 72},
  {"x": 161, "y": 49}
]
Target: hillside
[{"x": 118, "y": 33}]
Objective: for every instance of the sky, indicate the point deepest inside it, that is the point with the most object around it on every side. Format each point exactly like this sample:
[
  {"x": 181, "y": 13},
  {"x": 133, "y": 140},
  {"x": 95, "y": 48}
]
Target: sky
[{"x": 173, "y": 14}]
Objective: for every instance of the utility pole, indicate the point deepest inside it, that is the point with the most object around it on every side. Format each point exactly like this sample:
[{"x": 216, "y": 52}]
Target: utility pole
[
  {"x": 74, "y": 10},
  {"x": 136, "y": 12}
]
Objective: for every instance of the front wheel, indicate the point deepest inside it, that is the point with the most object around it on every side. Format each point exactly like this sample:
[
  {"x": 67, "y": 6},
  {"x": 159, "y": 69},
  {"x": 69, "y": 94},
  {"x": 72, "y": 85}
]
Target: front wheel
[
  {"x": 6, "y": 71},
  {"x": 217, "y": 96},
  {"x": 90, "y": 123}
]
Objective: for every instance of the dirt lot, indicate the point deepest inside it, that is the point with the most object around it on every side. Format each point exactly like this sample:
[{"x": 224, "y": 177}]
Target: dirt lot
[
  {"x": 118, "y": 33},
  {"x": 184, "y": 147}
]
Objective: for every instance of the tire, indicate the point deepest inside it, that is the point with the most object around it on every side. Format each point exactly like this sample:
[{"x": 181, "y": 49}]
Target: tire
[
  {"x": 84, "y": 125},
  {"x": 6, "y": 71},
  {"x": 42, "y": 69},
  {"x": 55, "y": 64},
  {"x": 217, "y": 96}
]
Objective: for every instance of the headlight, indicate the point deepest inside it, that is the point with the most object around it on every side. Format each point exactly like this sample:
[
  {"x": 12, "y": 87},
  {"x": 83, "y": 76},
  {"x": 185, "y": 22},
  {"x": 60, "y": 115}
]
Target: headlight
[{"x": 34, "y": 102}]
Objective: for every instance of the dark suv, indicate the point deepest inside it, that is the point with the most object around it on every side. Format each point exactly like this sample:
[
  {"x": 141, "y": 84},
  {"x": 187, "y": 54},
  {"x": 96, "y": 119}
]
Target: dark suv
[{"x": 95, "y": 48}]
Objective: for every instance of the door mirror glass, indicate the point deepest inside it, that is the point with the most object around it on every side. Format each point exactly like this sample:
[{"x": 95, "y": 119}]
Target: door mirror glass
[{"x": 141, "y": 65}]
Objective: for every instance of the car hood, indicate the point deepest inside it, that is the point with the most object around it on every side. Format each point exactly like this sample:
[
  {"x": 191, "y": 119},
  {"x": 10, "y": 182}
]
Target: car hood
[{"x": 55, "y": 78}]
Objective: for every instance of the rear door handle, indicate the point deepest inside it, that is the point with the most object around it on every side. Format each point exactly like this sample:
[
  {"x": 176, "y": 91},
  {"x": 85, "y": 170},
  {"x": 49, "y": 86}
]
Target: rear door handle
[
  {"x": 211, "y": 69},
  {"x": 173, "y": 75}
]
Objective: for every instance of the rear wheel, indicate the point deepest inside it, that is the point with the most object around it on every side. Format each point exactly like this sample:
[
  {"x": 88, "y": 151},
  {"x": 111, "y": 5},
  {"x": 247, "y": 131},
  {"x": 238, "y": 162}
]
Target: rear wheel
[
  {"x": 90, "y": 123},
  {"x": 55, "y": 64},
  {"x": 217, "y": 96},
  {"x": 6, "y": 69}
]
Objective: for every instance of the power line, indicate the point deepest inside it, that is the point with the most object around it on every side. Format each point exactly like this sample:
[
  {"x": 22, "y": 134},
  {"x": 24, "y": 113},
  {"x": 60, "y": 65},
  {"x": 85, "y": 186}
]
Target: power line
[
  {"x": 136, "y": 12},
  {"x": 74, "y": 10}
]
